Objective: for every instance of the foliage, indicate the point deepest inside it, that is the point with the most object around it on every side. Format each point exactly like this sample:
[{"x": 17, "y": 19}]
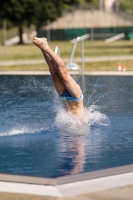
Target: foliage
[
  {"x": 27, "y": 12},
  {"x": 92, "y": 1},
  {"x": 126, "y": 6}
]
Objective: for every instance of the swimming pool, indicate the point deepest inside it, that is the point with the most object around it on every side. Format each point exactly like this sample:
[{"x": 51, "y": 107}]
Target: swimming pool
[{"x": 37, "y": 140}]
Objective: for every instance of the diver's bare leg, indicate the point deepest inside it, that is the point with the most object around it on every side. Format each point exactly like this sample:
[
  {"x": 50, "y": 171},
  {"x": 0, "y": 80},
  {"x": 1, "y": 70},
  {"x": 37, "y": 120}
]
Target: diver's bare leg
[
  {"x": 60, "y": 88},
  {"x": 69, "y": 83}
]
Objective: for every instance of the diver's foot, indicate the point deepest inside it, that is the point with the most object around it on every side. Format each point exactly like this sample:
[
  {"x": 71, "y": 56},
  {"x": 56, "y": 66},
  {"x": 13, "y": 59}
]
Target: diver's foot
[{"x": 41, "y": 43}]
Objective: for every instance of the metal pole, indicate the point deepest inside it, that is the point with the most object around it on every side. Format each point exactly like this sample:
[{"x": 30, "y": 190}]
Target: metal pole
[
  {"x": 83, "y": 82},
  {"x": 117, "y": 5},
  {"x": 82, "y": 56},
  {"x": 73, "y": 50},
  {"x": 4, "y": 37},
  {"x": 92, "y": 40},
  {"x": 57, "y": 50},
  {"x": 48, "y": 30},
  {"x": 101, "y": 4}
]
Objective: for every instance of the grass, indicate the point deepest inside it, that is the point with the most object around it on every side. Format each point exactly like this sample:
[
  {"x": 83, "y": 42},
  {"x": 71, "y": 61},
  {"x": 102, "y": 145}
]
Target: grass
[
  {"x": 96, "y": 48},
  {"x": 89, "y": 66},
  {"x": 108, "y": 65},
  {"x": 39, "y": 67},
  {"x": 9, "y": 34},
  {"x": 91, "y": 49}
]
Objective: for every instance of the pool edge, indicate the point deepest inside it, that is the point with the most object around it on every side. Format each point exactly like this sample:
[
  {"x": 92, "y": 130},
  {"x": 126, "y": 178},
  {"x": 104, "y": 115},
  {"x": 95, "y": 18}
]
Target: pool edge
[
  {"x": 91, "y": 73},
  {"x": 68, "y": 185}
]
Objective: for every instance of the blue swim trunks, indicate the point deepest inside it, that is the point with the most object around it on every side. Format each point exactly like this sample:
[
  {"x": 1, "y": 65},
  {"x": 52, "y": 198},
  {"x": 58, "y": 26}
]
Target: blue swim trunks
[{"x": 67, "y": 96}]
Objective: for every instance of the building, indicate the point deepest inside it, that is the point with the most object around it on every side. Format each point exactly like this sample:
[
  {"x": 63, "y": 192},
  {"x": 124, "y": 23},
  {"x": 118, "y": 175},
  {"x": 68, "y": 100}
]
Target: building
[
  {"x": 90, "y": 18},
  {"x": 109, "y": 5}
]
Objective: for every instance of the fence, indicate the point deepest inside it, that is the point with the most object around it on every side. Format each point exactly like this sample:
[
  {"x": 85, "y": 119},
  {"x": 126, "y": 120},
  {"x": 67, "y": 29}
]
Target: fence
[{"x": 96, "y": 33}]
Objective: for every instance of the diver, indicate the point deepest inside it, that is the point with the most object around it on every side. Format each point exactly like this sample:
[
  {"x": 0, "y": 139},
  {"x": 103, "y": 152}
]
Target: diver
[{"x": 68, "y": 90}]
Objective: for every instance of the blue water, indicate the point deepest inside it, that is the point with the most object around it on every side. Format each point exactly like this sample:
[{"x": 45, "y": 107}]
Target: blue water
[{"x": 37, "y": 139}]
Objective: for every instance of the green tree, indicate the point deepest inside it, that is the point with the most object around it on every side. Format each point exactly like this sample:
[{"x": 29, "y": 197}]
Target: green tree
[
  {"x": 24, "y": 13},
  {"x": 92, "y": 1},
  {"x": 126, "y": 6}
]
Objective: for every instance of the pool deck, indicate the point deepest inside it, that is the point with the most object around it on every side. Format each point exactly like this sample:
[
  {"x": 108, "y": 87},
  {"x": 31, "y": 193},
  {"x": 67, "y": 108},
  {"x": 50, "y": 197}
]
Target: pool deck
[
  {"x": 91, "y": 73},
  {"x": 111, "y": 184},
  {"x": 119, "y": 193}
]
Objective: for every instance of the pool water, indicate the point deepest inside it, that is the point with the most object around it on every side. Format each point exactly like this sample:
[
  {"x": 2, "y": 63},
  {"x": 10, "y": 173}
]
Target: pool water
[{"x": 37, "y": 138}]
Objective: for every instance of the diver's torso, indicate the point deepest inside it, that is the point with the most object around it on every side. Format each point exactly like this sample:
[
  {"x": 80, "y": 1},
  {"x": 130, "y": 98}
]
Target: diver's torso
[{"x": 75, "y": 108}]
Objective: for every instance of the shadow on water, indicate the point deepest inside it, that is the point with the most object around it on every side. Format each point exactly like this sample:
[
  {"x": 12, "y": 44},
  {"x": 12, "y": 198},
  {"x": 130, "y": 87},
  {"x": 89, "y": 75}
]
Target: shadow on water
[{"x": 38, "y": 138}]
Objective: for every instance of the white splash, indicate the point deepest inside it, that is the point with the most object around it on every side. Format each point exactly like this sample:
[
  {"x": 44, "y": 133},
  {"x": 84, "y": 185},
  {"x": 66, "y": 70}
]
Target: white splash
[
  {"x": 16, "y": 131},
  {"x": 92, "y": 117},
  {"x": 96, "y": 117},
  {"x": 70, "y": 123},
  {"x": 22, "y": 130}
]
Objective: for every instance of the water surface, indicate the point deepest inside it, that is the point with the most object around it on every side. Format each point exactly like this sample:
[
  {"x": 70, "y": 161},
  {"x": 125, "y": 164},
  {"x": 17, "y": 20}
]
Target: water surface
[{"x": 36, "y": 139}]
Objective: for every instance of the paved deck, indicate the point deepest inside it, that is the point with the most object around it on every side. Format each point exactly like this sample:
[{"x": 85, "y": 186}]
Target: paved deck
[
  {"x": 119, "y": 193},
  {"x": 108, "y": 184}
]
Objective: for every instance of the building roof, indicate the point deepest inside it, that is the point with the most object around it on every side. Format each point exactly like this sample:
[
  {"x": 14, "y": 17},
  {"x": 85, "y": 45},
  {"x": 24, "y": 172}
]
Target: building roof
[{"x": 90, "y": 18}]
